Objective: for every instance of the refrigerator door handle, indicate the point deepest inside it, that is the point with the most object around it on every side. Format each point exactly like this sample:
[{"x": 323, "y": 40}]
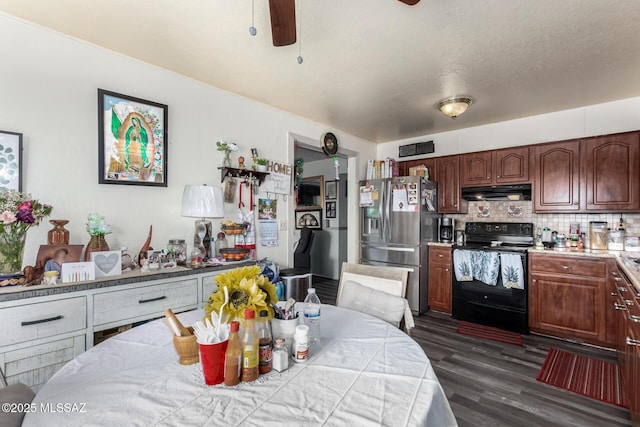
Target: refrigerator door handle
[
  {"x": 380, "y": 214},
  {"x": 388, "y": 213},
  {"x": 387, "y": 248}
]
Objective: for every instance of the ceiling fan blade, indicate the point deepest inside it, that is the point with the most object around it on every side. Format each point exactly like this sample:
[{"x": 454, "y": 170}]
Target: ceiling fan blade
[
  {"x": 410, "y": 2},
  {"x": 283, "y": 21}
]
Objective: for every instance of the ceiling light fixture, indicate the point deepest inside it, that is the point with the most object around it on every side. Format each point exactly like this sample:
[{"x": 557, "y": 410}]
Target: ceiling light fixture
[{"x": 454, "y": 105}]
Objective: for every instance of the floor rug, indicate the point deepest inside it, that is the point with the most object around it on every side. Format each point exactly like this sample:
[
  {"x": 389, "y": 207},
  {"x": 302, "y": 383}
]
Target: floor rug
[
  {"x": 584, "y": 375},
  {"x": 489, "y": 333}
]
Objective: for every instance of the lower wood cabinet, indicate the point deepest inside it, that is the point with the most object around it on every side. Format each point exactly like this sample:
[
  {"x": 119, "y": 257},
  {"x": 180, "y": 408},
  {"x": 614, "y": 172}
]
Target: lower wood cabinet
[
  {"x": 566, "y": 300},
  {"x": 440, "y": 279}
]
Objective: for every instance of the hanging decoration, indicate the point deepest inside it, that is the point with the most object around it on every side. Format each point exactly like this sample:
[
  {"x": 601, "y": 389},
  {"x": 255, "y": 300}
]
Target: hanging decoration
[
  {"x": 298, "y": 176},
  {"x": 252, "y": 28}
]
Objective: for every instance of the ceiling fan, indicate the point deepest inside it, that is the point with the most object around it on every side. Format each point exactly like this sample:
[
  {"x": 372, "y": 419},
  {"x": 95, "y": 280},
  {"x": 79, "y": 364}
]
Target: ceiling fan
[{"x": 283, "y": 20}]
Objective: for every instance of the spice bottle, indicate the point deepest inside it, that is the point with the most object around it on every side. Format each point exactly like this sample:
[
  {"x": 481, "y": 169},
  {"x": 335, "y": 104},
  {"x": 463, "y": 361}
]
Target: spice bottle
[
  {"x": 300, "y": 346},
  {"x": 233, "y": 356},
  {"x": 264, "y": 336},
  {"x": 280, "y": 355},
  {"x": 250, "y": 343}
]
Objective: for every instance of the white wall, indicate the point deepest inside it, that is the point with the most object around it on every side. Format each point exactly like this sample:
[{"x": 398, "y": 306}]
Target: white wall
[
  {"x": 600, "y": 119},
  {"x": 48, "y": 91}
]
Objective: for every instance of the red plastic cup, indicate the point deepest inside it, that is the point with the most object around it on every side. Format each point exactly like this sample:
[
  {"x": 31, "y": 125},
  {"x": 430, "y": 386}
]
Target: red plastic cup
[{"x": 212, "y": 360}]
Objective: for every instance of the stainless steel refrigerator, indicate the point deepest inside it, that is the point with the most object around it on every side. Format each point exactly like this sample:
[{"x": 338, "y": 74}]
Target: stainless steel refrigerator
[{"x": 398, "y": 217}]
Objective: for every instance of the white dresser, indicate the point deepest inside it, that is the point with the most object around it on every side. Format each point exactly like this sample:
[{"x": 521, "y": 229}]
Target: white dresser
[{"x": 45, "y": 327}]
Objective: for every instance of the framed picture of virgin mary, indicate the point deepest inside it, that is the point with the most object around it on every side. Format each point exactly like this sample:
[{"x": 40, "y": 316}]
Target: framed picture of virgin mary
[{"x": 132, "y": 138}]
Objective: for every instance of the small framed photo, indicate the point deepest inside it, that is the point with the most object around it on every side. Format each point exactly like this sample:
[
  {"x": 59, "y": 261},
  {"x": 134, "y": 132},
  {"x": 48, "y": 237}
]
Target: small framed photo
[
  {"x": 331, "y": 190},
  {"x": 330, "y": 209},
  {"x": 132, "y": 140},
  {"x": 10, "y": 161},
  {"x": 310, "y": 219}
]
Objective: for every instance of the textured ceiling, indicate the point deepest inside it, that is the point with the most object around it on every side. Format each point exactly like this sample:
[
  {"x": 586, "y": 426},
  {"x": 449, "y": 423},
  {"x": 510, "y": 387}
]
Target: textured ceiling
[{"x": 375, "y": 68}]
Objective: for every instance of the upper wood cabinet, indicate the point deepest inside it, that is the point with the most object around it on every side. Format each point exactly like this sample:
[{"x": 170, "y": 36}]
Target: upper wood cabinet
[
  {"x": 611, "y": 166},
  {"x": 448, "y": 179},
  {"x": 506, "y": 166},
  {"x": 430, "y": 163},
  {"x": 556, "y": 177}
]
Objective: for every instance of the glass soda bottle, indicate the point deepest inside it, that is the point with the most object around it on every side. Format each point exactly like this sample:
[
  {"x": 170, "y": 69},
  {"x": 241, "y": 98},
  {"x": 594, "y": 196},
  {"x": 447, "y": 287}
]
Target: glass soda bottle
[
  {"x": 265, "y": 338},
  {"x": 312, "y": 315},
  {"x": 250, "y": 343}
]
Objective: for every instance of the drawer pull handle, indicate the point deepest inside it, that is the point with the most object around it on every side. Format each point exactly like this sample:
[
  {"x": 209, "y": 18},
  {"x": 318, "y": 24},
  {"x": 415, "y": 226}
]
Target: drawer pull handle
[
  {"x": 622, "y": 289},
  {"x": 613, "y": 273},
  {"x": 631, "y": 341},
  {"x": 619, "y": 307},
  {"x": 628, "y": 302},
  {"x": 614, "y": 294},
  {"x": 617, "y": 279},
  {"x": 440, "y": 255},
  {"x": 634, "y": 318},
  {"x": 566, "y": 267},
  {"x": 35, "y": 322},
  {"x": 142, "y": 301}
]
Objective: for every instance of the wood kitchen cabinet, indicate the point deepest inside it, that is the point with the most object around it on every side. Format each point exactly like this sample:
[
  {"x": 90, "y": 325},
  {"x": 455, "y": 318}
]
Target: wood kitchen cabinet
[
  {"x": 449, "y": 190},
  {"x": 440, "y": 279},
  {"x": 507, "y": 166},
  {"x": 556, "y": 177},
  {"x": 567, "y": 297},
  {"x": 430, "y": 163},
  {"x": 611, "y": 167}
]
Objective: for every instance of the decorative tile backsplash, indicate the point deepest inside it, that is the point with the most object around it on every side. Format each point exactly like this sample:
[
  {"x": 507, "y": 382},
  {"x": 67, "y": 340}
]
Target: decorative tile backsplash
[{"x": 508, "y": 211}]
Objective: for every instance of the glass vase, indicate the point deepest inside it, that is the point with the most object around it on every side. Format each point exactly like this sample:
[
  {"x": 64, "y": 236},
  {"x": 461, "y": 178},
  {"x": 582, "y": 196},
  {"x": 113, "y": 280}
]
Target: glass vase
[
  {"x": 58, "y": 235},
  {"x": 226, "y": 162},
  {"x": 96, "y": 244},
  {"x": 12, "y": 240}
]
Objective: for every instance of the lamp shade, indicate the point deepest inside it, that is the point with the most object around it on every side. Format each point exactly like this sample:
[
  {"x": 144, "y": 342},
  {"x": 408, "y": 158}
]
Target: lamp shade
[
  {"x": 202, "y": 201},
  {"x": 454, "y": 105}
]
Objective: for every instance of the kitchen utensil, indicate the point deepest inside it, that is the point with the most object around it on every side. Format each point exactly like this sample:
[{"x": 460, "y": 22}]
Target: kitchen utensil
[{"x": 226, "y": 301}]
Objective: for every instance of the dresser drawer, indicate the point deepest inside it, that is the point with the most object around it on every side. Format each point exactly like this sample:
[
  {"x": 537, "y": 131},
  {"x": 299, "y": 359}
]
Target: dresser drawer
[
  {"x": 144, "y": 302},
  {"x": 41, "y": 320},
  {"x": 589, "y": 267},
  {"x": 209, "y": 285}
]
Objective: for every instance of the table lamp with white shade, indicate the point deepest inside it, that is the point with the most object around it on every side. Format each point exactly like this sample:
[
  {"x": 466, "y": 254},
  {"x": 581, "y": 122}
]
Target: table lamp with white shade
[{"x": 202, "y": 201}]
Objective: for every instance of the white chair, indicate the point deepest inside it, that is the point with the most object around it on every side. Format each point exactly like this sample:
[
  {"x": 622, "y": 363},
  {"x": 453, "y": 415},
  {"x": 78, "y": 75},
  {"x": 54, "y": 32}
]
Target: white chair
[
  {"x": 378, "y": 291},
  {"x": 14, "y": 393}
]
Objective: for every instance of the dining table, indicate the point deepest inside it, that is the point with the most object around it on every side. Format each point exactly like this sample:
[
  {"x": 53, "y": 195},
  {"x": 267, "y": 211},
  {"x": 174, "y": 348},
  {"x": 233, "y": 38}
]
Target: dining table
[{"x": 363, "y": 372}]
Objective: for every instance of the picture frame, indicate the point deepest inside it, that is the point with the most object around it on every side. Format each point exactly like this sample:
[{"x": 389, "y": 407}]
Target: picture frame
[
  {"x": 330, "y": 209},
  {"x": 132, "y": 140},
  {"x": 309, "y": 218},
  {"x": 10, "y": 160},
  {"x": 108, "y": 263},
  {"x": 331, "y": 190},
  {"x": 311, "y": 193}
]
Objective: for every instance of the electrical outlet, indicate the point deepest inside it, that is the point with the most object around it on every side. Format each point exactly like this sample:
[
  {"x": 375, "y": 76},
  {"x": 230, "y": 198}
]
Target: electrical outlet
[{"x": 283, "y": 225}]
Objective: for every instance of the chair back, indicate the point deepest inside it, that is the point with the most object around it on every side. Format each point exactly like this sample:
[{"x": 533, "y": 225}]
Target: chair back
[{"x": 386, "y": 279}]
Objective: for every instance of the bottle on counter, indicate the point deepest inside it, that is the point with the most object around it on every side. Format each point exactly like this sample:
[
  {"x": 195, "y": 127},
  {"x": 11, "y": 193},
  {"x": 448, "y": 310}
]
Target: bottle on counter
[
  {"x": 300, "y": 347},
  {"x": 265, "y": 341},
  {"x": 280, "y": 355},
  {"x": 233, "y": 356},
  {"x": 250, "y": 345},
  {"x": 312, "y": 315}
]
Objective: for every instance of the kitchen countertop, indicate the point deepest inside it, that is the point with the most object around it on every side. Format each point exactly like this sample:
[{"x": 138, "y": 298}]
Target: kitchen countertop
[
  {"x": 12, "y": 293},
  {"x": 445, "y": 245}
]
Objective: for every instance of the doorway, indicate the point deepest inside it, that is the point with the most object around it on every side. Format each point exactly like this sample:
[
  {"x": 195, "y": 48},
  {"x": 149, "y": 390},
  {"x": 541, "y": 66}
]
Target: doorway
[{"x": 329, "y": 248}]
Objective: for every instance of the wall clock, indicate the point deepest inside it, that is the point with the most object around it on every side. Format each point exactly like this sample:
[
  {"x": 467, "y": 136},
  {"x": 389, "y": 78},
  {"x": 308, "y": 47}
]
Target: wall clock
[{"x": 329, "y": 144}]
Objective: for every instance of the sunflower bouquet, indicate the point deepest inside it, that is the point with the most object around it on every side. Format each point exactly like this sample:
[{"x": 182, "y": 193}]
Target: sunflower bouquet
[{"x": 247, "y": 289}]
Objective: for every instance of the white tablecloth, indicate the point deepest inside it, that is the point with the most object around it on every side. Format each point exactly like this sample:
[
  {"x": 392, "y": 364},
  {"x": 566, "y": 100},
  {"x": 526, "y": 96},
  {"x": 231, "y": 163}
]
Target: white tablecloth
[{"x": 364, "y": 372}]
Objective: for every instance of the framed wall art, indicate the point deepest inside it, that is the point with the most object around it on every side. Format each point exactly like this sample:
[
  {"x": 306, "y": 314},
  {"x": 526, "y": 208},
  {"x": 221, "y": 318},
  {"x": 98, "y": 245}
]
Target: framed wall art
[
  {"x": 10, "y": 161},
  {"x": 331, "y": 190},
  {"x": 132, "y": 139},
  {"x": 309, "y": 218},
  {"x": 330, "y": 211}
]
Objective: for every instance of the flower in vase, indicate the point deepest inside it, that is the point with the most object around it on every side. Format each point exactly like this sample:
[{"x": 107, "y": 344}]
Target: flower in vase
[
  {"x": 97, "y": 225},
  {"x": 247, "y": 288},
  {"x": 7, "y": 217}
]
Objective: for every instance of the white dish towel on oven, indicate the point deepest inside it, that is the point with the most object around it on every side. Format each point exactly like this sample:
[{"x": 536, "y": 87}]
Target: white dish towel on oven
[
  {"x": 462, "y": 265},
  {"x": 512, "y": 271},
  {"x": 485, "y": 267}
]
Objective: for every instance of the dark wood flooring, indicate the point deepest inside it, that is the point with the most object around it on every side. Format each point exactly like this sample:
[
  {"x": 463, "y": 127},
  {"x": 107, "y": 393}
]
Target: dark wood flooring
[{"x": 494, "y": 384}]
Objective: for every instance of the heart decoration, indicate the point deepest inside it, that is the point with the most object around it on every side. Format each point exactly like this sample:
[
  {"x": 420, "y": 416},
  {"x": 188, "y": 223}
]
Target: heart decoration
[{"x": 106, "y": 263}]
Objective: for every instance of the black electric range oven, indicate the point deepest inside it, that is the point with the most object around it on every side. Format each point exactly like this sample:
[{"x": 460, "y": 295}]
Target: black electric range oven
[{"x": 502, "y": 305}]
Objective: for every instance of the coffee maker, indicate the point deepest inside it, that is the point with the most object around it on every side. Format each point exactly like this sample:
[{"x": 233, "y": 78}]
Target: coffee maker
[{"x": 446, "y": 229}]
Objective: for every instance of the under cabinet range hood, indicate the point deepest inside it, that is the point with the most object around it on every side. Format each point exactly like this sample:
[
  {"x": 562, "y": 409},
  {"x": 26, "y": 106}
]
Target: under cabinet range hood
[{"x": 512, "y": 193}]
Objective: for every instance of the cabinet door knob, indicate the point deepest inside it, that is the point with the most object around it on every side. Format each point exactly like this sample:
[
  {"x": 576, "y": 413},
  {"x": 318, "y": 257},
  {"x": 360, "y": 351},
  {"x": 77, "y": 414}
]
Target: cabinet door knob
[
  {"x": 534, "y": 281},
  {"x": 440, "y": 255},
  {"x": 590, "y": 202},
  {"x": 488, "y": 177},
  {"x": 575, "y": 203},
  {"x": 446, "y": 269},
  {"x": 498, "y": 176}
]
